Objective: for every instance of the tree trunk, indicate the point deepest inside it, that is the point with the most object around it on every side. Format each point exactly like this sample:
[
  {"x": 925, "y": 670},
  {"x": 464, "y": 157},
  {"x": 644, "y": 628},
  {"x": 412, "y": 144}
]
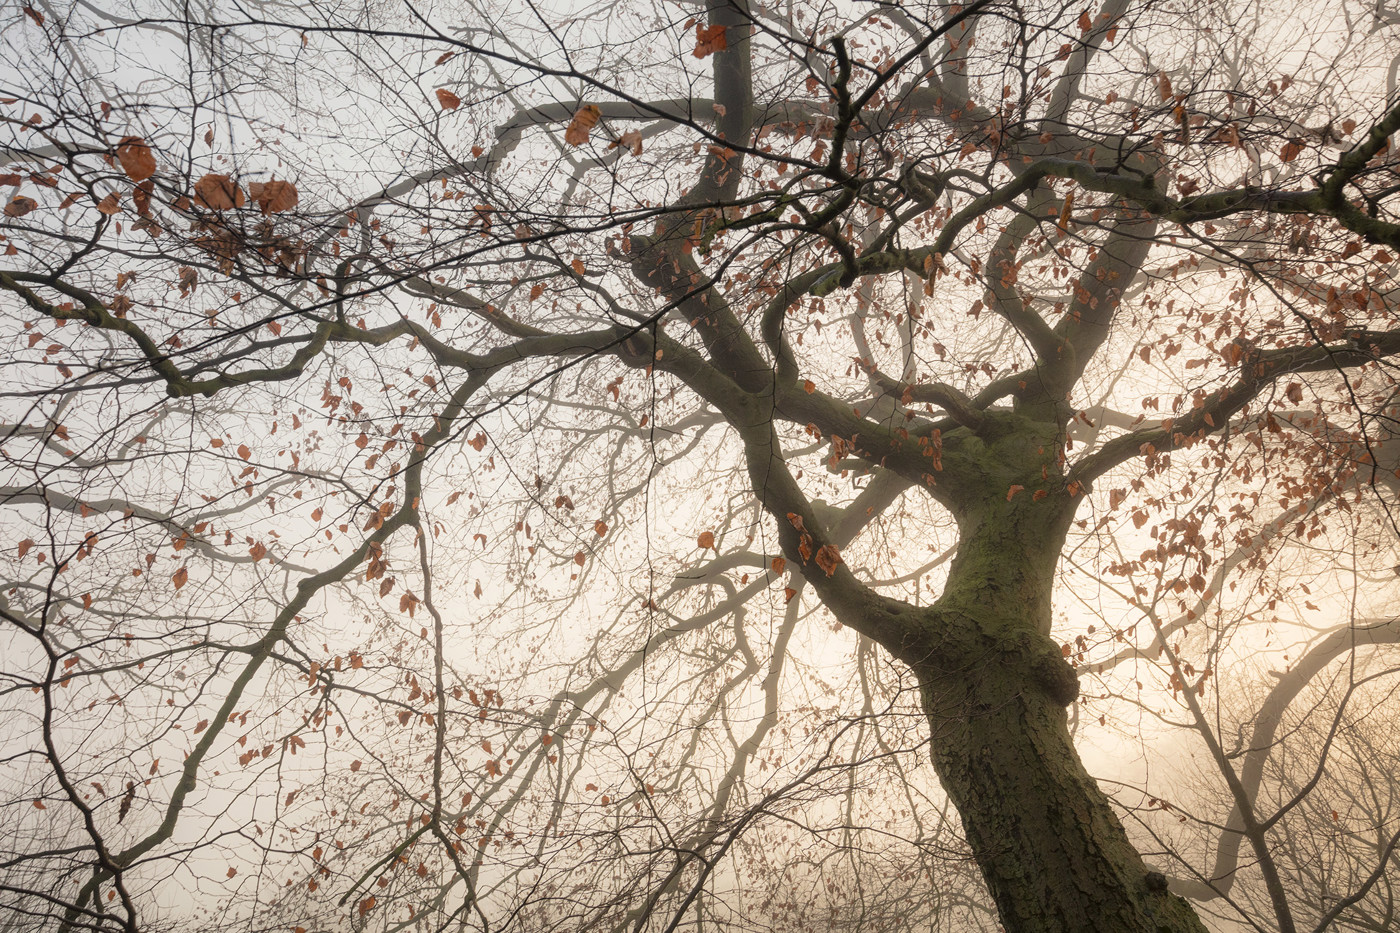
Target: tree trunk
[
  {"x": 995, "y": 688},
  {"x": 1053, "y": 854}
]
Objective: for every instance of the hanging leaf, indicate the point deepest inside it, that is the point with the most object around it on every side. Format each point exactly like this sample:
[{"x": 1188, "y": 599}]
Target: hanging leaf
[
  {"x": 585, "y": 118},
  {"x": 19, "y": 206},
  {"x": 827, "y": 558},
  {"x": 447, "y": 100},
  {"x": 218, "y": 193},
  {"x": 136, "y": 158},
  {"x": 273, "y": 196},
  {"x": 709, "y": 39},
  {"x": 1164, "y": 86},
  {"x": 632, "y": 139}
]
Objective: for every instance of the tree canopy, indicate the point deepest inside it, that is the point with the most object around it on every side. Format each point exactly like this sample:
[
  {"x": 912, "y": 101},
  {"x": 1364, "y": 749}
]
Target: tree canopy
[{"x": 702, "y": 465}]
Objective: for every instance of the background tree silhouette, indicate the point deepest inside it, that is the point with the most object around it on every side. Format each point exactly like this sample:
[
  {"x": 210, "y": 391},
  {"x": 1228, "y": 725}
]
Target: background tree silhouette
[{"x": 525, "y": 469}]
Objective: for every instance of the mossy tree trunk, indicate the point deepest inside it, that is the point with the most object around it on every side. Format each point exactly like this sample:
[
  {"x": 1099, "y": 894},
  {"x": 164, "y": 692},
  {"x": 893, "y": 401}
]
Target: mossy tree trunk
[{"x": 996, "y": 687}]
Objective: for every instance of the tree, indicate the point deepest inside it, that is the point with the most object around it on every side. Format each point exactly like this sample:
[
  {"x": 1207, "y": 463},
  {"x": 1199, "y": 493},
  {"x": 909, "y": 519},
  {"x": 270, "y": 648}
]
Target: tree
[{"x": 366, "y": 356}]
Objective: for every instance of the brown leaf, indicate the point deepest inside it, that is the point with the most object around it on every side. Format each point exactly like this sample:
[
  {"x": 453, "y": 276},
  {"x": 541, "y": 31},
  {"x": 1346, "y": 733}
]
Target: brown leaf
[
  {"x": 218, "y": 193},
  {"x": 709, "y": 39},
  {"x": 1010, "y": 493},
  {"x": 24, "y": 547},
  {"x": 779, "y": 565},
  {"x": 632, "y": 139},
  {"x": 580, "y": 558},
  {"x": 38, "y": 21},
  {"x": 447, "y": 100},
  {"x": 1291, "y": 150},
  {"x": 39, "y": 804},
  {"x": 181, "y": 577},
  {"x": 600, "y": 527},
  {"x": 19, "y": 206},
  {"x": 136, "y": 158},
  {"x": 1294, "y": 392},
  {"x": 578, "y": 267},
  {"x": 273, "y": 196},
  {"x": 585, "y": 118},
  {"x": 827, "y": 558},
  {"x": 110, "y": 205},
  {"x": 706, "y": 540}
]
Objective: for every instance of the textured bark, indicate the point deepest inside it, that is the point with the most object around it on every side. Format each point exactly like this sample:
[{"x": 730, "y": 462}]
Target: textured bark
[
  {"x": 1054, "y": 855},
  {"x": 995, "y": 686}
]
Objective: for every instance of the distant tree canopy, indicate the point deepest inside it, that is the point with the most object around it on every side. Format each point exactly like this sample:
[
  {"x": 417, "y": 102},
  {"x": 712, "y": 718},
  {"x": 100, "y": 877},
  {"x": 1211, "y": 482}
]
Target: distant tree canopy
[{"x": 502, "y": 468}]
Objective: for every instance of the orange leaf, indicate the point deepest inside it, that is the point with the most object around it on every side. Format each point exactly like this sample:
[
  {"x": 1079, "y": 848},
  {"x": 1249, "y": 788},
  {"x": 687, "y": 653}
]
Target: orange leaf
[
  {"x": 577, "y": 266},
  {"x": 585, "y": 118},
  {"x": 24, "y": 546},
  {"x": 1085, "y": 23},
  {"x": 273, "y": 196},
  {"x": 632, "y": 139},
  {"x": 706, "y": 540},
  {"x": 218, "y": 193},
  {"x": 827, "y": 558},
  {"x": 136, "y": 158},
  {"x": 580, "y": 558},
  {"x": 447, "y": 99},
  {"x": 1012, "y": 492},
  {"x": 180, "y": 577},
  {"x": 709, "y": 39},
  {"x": 19, "y": 206},
  {"x": 600, "y": 527}
]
